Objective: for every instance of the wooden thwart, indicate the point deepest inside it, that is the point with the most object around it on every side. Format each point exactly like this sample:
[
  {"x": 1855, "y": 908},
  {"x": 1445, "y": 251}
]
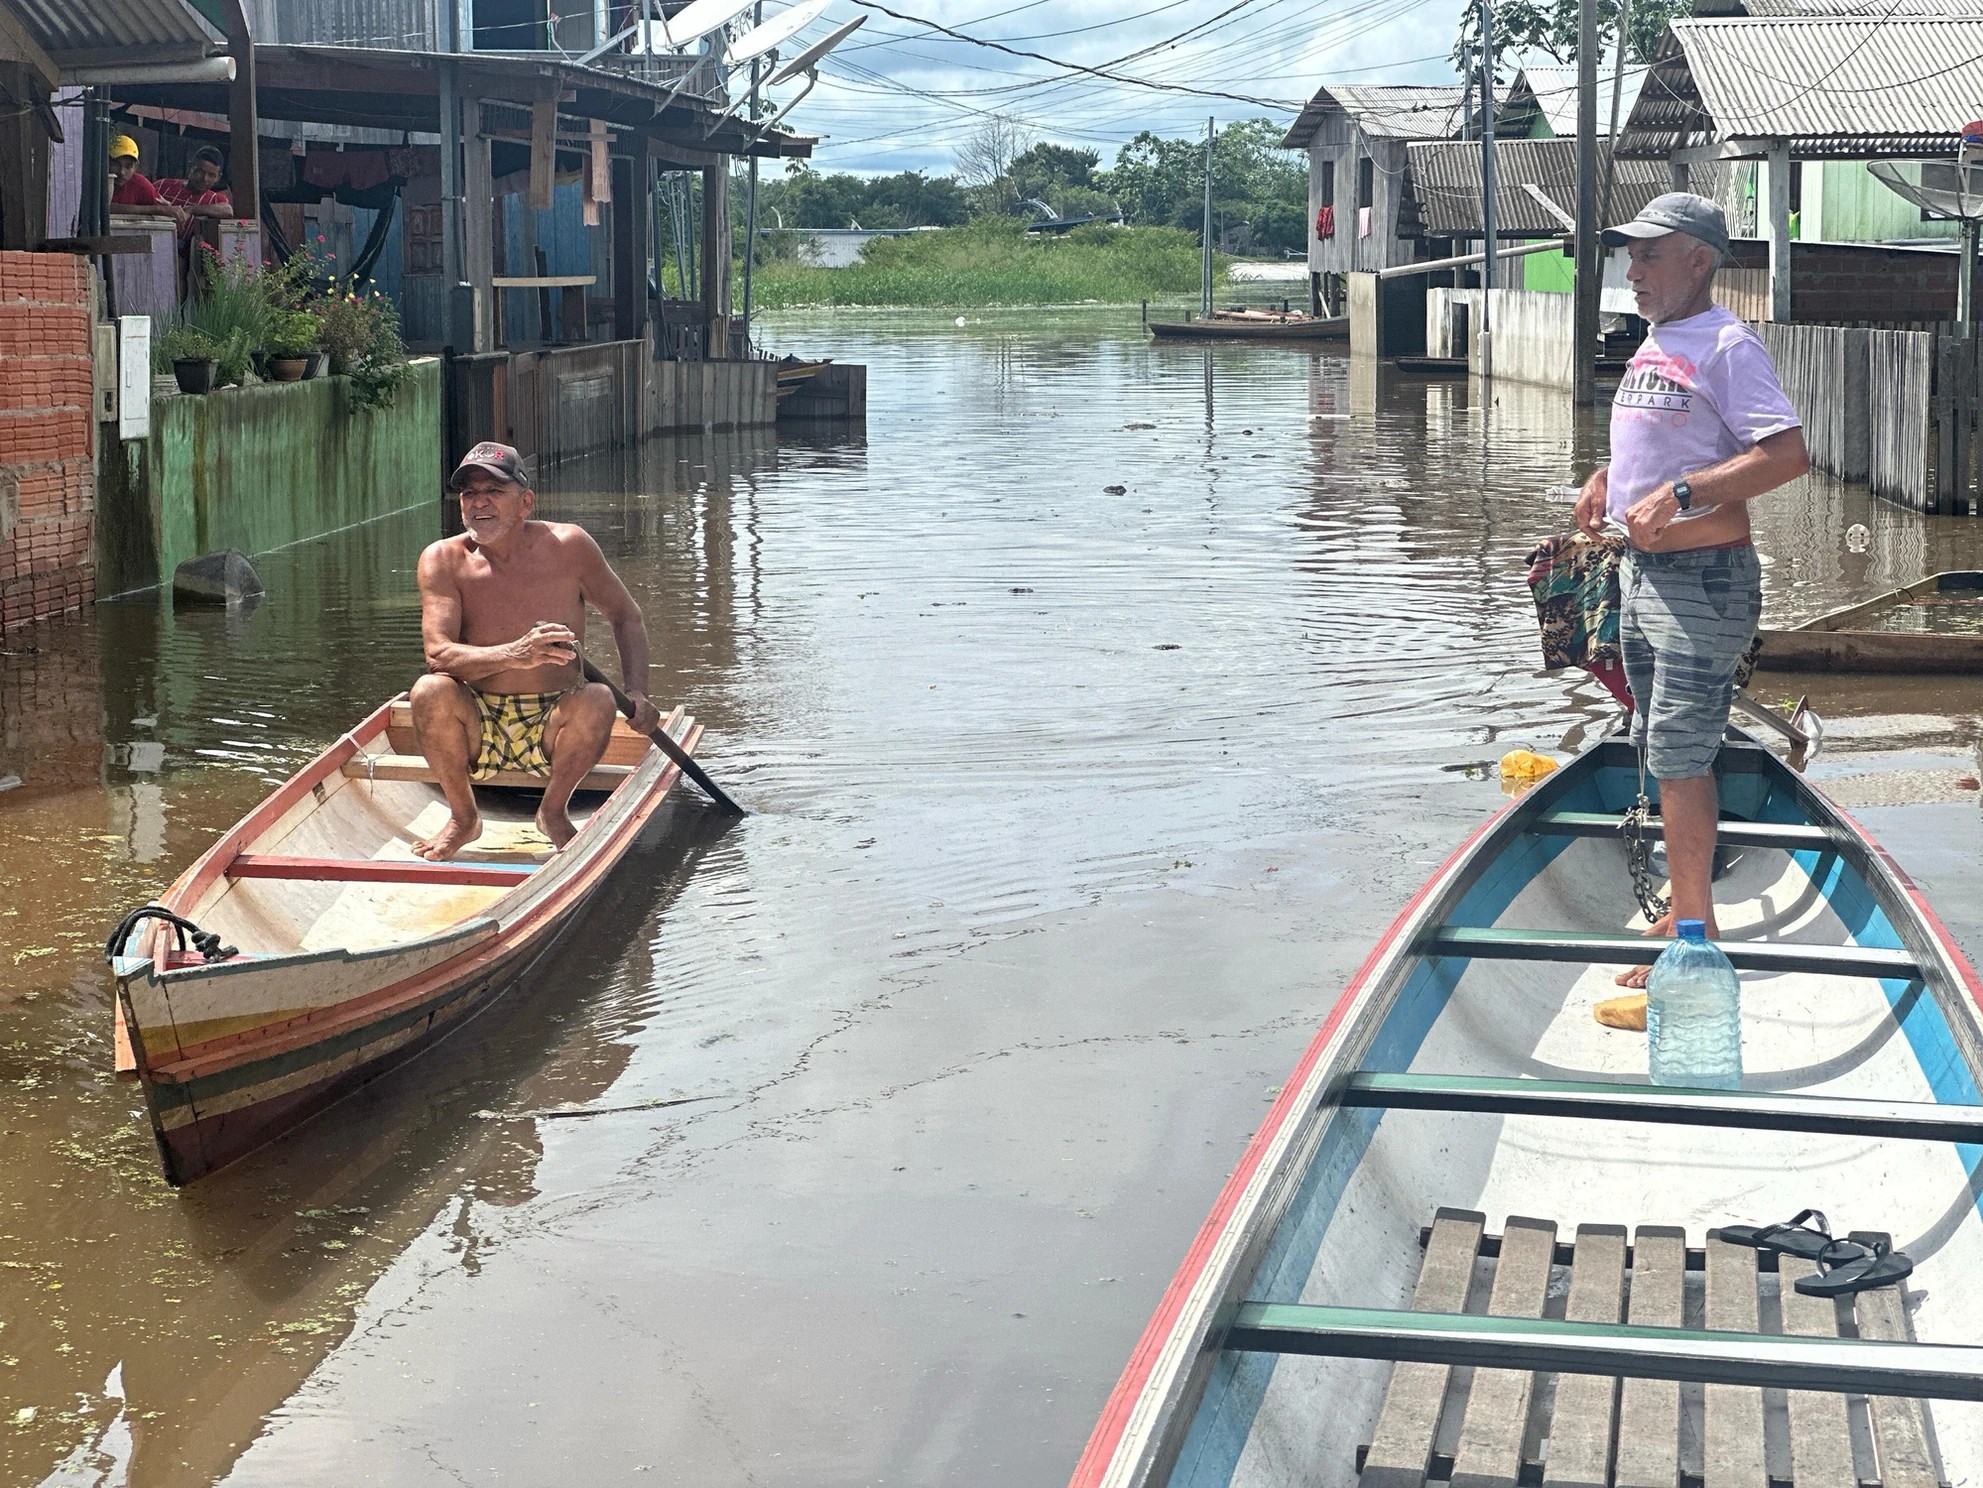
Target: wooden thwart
[
  {"x": 415, "y": 768},
  {"x": 379, "y": 870},
  {"x": 1603, "y": 1432}
]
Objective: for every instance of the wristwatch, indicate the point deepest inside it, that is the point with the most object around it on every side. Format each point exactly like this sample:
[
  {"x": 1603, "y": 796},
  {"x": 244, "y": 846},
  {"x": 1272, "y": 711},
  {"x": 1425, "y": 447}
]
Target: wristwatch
[{"x": 1683, "y": 494}]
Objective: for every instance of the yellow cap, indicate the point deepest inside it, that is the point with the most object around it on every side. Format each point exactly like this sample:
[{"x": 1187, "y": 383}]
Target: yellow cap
[{"x": 123, "y": 145}]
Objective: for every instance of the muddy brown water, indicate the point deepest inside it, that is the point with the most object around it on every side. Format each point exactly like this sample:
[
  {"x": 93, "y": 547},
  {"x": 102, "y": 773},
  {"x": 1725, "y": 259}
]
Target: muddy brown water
[{"x": 1071, "y": 809}]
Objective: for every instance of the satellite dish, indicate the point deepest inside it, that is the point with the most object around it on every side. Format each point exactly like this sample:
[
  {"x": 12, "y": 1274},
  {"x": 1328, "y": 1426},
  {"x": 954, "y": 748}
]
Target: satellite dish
[
  {"x": 813, "y": 55},
  {"x": 689, "y": 24},
  {"x": 1938, "y": 186},
  {"x": 779, "y": 28}
]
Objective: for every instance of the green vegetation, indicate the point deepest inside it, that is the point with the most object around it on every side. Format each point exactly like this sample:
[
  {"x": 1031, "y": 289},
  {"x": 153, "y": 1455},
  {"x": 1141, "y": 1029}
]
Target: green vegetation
[
  {"x": 993, "y": 261},
  {"x": 1550, "y": 26},
  {"x": 1259, "y": 191},
  {"x": 242, "y": 308}
]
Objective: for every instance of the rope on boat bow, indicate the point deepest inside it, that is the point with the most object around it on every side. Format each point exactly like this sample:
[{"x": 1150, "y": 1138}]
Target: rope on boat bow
[
  {"x": 1637, "y": 829},
  {"x": 204, "y": 941}
]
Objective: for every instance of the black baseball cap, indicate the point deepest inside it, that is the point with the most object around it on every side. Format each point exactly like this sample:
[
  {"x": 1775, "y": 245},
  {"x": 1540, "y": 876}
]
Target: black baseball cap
[{"x": 499, "y": 460}]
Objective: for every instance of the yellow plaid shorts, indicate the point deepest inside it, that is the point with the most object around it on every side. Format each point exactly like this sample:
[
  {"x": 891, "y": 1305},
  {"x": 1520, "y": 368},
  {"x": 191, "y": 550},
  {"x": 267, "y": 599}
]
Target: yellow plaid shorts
[{"x": 513, "y": 732}]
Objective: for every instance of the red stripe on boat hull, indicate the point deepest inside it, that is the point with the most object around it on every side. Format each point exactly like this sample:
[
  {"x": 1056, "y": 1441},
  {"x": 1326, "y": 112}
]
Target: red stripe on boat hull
[{"x": 1107, "y": 1436}]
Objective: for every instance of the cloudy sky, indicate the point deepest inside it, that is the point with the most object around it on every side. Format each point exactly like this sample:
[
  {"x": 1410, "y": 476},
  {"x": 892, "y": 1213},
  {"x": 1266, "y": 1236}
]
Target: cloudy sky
[{"x": 898, "y": 95}]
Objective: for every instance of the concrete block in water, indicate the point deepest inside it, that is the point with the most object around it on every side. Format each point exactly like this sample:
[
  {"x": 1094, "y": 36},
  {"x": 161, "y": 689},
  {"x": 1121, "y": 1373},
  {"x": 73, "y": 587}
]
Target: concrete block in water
[{"x": 226, "y": 577}]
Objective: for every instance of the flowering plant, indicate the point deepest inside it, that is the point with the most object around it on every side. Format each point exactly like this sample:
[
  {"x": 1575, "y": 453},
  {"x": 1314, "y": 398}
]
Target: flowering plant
[{"x": 361, "y": 333}]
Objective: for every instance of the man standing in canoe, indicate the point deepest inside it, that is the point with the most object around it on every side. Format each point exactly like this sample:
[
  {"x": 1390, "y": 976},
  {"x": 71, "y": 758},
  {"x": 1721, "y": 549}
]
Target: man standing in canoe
[
  {"x": 502, "y": 617},
  {"x": 1700, "y": 427}
]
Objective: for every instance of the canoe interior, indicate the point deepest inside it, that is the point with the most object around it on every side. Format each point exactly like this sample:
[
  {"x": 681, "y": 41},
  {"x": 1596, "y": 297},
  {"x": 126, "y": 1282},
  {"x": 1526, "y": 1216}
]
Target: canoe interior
[
  {"x": 331, "y": 907},
  {"x": 1955, "y": 583},
  {"x": 349, "y": 817},
  {"x": 1934, "y": 625},
  {"x": 1350, "y": 1234}
]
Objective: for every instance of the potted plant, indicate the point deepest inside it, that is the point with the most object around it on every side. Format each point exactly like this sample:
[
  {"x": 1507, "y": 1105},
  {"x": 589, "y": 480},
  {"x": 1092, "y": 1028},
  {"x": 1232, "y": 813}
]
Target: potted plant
[
  {"x": 194, "y": 356},
  {"x": 290, "y": 342}
]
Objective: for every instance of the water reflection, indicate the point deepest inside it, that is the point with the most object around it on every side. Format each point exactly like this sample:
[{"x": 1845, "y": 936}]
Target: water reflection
[{"x": 1079, "y": 634}]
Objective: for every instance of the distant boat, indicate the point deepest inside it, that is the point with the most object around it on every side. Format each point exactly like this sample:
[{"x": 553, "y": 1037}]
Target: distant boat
[
  {"x": 1943, "y": 616},
  {"x": 1254, "y": 325}
]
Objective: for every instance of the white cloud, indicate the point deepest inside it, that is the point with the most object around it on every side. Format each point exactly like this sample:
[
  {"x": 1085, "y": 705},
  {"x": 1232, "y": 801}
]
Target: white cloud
[{"x": 899, "y": 97}]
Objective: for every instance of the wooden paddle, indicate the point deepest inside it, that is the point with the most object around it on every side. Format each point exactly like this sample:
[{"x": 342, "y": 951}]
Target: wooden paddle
[{"x": 665, "y": 744}]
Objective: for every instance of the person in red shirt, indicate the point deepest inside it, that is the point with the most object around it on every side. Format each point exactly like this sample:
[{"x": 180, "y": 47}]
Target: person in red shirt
[
  {"x": 197, "y": 194},
  {"x": 131, "y": 191}
]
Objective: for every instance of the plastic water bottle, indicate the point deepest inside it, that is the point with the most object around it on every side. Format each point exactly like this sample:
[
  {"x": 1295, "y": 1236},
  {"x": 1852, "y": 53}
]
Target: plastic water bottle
[{"x": 1694, "y": 1014}]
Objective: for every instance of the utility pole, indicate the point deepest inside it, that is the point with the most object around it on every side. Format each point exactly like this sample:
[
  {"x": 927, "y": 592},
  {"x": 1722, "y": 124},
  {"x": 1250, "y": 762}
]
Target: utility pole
[
  {"x": 1488, "y": 267},
  {"x": 1205, "y": 269},
  {"x": 1584, "y": 312},
  {"x": 750, "y": 195}
]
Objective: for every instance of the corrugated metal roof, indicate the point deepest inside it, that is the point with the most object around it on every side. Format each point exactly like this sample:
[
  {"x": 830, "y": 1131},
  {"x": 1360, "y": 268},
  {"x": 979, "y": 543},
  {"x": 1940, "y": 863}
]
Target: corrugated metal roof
[
  {"x": 1848, "y": 88},
  {"x": 1554, "y": 89},
  {"x": 65, "y": 26},
  {"x": 1872, "y": 9},
  {"x": 1384, "y": 112},
  {"x": 1445, "y": 177}
]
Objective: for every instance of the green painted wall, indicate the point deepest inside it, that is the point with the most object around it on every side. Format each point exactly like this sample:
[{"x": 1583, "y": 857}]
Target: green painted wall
[
  {"x": 1550, "y": 273},
  {"x": 259, "y": 468},
  {"x": 1856, "y": 208}
]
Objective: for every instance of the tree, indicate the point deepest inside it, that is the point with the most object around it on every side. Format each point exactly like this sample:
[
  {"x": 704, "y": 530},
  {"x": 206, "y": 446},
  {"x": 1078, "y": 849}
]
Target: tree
[
  {"x": 1550, "y": 27},
  {"x": 806, "y": 198},
  {"x": 1061, "y": 177},
  {"x": 984, "y": 160},
  {"x": 1259, "y": 190}
]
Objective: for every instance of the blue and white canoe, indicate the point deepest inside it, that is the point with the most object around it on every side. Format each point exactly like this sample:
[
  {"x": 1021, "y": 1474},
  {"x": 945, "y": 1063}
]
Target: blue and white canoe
[{"x": 1460, "y": 1116}]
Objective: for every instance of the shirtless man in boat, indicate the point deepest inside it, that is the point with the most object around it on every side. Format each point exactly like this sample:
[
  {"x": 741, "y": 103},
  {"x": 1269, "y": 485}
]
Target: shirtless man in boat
[
  {"x": 1700, "y": 427},
  {"x": 502, "y": 618}
]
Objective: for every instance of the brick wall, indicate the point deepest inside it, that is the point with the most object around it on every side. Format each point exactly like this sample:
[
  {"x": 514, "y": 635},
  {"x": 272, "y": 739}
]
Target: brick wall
[
  {"x": 47, "y": 443},
  {"x": 1846, "y": 284}
]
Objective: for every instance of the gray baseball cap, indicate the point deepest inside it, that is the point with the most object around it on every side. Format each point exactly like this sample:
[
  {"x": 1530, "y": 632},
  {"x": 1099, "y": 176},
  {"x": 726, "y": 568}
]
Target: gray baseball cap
[{"x": 1676, "y": 211}]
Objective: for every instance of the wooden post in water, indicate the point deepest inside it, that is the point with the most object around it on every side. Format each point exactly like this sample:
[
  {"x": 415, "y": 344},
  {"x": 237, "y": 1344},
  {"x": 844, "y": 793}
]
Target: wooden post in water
[
  {"x": 1205, "y": 268},
  {"x": 1584, "y": 312},
  {"x": 1489, "y": 226}
]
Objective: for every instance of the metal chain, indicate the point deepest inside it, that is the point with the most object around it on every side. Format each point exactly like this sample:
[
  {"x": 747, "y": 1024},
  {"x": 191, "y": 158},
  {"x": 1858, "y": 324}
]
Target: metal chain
[{"x": 1636, "y": 827}]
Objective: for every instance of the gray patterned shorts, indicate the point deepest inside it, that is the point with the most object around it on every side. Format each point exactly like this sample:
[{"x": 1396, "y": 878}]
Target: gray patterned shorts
[{"x": 1687, "y": 619}]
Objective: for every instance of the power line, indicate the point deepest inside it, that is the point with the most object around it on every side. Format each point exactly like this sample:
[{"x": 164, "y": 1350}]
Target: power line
[{"x": 1079, "y": 67}]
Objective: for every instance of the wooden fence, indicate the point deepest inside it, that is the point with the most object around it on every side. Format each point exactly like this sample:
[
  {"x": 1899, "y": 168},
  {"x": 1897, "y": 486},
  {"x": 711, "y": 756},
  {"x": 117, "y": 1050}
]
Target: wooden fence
[
  {"x": 1900, "y": 388},
  {"x": 1824, "y": 369},
  {"x": 1896, "y": 409}
]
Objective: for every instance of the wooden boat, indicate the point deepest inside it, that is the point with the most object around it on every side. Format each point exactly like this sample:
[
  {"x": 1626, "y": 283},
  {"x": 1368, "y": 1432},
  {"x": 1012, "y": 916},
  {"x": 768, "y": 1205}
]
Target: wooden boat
[
  {"x": 1843, "y": 642},
  {"x": 1462, "y": 1138},
  {"x": 1254, "y": 325},
  {"x": 347, "y": 954},
  {"x": 794, "y": 373}
]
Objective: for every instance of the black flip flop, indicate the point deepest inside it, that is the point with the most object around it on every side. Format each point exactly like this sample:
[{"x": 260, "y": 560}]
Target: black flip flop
[
  {"x": 1841, "y": 1275},
  {"x": 1795, "y": 1238}
]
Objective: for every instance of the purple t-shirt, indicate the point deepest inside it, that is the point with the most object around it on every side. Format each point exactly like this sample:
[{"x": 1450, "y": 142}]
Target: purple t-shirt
[{"x": 1699, "y": 391}]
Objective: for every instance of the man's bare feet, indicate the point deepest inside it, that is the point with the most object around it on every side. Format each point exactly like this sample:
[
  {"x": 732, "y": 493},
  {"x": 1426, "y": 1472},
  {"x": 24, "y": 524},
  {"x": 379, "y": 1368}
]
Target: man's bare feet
[
  {"x": 450, "y": 840},
  {"x": 1636, "y": 977},
  {"x": 556, "y": 826},
  {"x": 1661, "y": 928}
]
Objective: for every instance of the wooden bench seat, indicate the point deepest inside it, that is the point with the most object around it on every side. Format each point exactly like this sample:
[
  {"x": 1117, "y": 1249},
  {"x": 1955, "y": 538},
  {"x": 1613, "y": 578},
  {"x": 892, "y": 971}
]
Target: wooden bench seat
[
  {"x": 415, "y": 767},
  {"x": 380, "y": 870}
]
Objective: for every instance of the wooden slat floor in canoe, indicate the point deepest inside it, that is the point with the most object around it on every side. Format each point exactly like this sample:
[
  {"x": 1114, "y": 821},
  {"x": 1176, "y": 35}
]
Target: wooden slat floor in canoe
[{"x": 1515, "y": 1429}]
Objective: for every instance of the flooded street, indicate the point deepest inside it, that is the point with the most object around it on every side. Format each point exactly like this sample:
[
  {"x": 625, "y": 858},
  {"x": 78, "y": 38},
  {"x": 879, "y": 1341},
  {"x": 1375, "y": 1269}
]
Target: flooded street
[{"x": 1096, "y": 707}]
